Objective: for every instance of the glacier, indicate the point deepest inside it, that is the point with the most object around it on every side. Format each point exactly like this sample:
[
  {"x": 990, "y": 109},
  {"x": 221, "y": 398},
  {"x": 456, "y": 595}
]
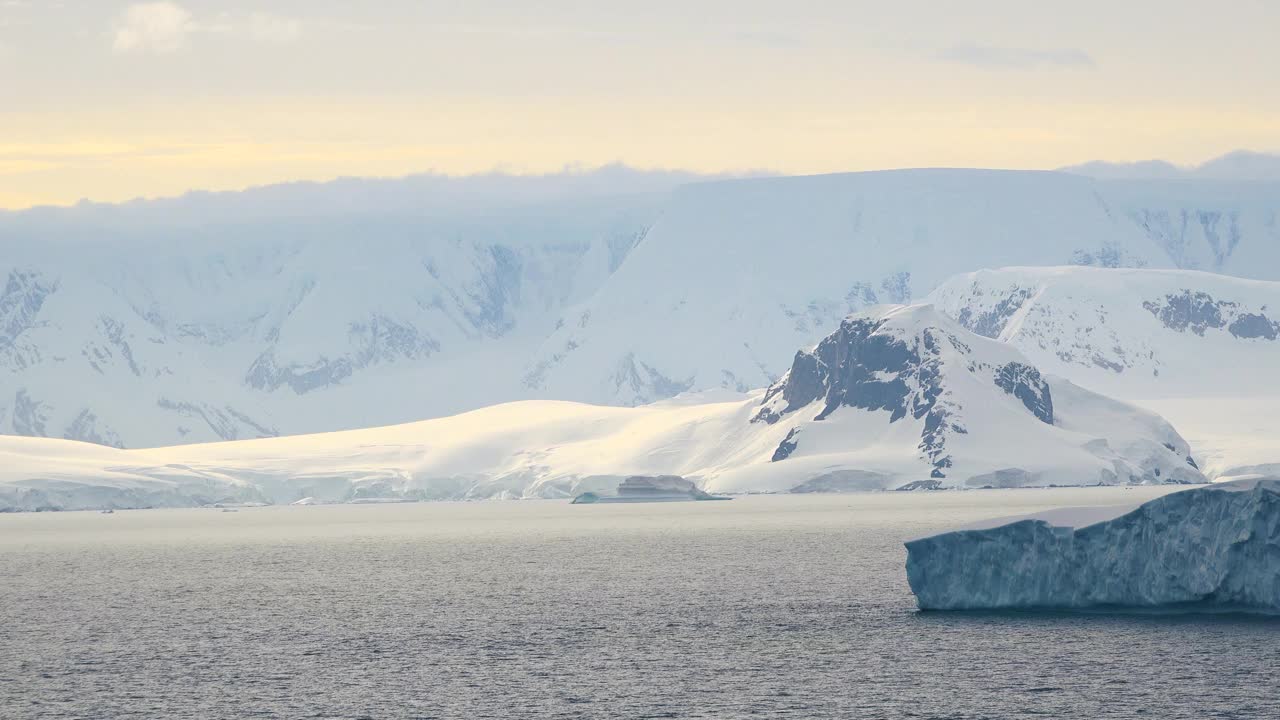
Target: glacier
[{"x": 1215, "y": 547}]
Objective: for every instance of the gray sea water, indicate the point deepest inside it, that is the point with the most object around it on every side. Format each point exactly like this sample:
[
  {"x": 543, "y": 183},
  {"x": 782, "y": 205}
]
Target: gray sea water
[{"x": 766, "y": 606}]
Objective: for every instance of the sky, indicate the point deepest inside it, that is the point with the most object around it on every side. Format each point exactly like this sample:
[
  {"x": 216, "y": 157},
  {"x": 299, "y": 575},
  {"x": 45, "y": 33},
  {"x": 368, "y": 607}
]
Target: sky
[{"x": 110, "y": 100}]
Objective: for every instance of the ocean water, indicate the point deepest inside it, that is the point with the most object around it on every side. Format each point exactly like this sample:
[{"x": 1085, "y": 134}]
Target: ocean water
[{"x": 766, "y": 606}]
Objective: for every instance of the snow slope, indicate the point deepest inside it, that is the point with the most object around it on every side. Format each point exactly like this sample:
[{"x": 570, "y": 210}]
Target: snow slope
[
  {"x": 1213, "y": 548},
  {"x": 974, "y": 411},
  {"x": 131, "y": 335},
  {"x": 1199, "y": 348},
  {"x": 899, "y": 396},
  {"x": 294, "y": 310},
  {"x": 734, "y": 274}
]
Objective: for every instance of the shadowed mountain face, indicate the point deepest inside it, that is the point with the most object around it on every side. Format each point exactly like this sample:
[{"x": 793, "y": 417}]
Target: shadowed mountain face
[{"x": 900, "y": 363}]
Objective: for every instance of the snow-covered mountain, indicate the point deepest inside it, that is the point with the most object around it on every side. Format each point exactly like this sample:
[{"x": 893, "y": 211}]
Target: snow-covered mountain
[
  {"x": 972, "y": 411},
  {"x": 899, "y": 396},
  {"x": 131, "y": 336},
  {"x": 1238, "y": 165},
  {"x": 218, "y": 318},
  {"x": 1199, "y": 348},
  {"x": 735, "y": 273}
]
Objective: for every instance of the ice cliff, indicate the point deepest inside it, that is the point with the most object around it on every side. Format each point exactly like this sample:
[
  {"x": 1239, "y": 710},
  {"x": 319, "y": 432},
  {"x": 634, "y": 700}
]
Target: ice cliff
[{"x": 1215, "y": 547}]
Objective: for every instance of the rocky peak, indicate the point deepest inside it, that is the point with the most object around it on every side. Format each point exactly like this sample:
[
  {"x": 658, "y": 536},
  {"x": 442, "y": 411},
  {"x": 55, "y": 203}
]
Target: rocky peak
[{"x": 902, "y": 360}]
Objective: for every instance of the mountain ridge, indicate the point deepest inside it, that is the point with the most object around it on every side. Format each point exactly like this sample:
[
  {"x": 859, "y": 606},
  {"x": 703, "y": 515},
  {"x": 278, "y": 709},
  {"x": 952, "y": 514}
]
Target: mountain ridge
[
  {"x": 248, "y": 326},
  {"x": 948, "y": 401},
  {"x": 1199, "y": 348}
]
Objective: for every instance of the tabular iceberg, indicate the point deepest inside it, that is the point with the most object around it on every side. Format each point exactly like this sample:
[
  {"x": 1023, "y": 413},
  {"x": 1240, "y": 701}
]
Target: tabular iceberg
[{"x": 1215, "y": 547}]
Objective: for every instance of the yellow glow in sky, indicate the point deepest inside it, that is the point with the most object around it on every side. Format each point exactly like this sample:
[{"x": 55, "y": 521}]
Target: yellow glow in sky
[{"x": 115, "y": 100}]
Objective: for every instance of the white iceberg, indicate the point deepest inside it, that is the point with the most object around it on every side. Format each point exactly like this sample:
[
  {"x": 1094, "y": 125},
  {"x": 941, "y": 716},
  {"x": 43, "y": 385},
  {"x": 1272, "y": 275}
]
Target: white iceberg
[{"x": 1214, "y": 547}]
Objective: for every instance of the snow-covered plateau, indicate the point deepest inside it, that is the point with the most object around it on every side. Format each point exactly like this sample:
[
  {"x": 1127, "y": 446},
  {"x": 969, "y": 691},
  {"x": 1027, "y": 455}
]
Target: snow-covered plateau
[
  {"x": 1215, "y": 547},
  {"x": 896, "y": 397},
  {"x": 295, "y": 310}
]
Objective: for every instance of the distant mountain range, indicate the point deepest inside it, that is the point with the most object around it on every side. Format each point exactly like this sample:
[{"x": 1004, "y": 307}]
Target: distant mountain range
[
  {"x": 1241, "y": 165},
  {"x": 240, "y": 316}
]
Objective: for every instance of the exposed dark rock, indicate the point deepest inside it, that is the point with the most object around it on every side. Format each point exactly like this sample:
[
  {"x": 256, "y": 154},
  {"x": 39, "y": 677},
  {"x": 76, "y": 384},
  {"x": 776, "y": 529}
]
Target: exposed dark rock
[
  {"x": 990, "y": 323},
  {"x": 498, "y": 289},
  {"x": 113, "y": 332},
  {"x": 224, "y": 422},
  {"x": 857, "y": 366},
  {"x": 732, "y": 382},
  {"x": 28, "y": 415},
  {"x": 805, "y": 383},
  {"x": 1025, "y": 383},
  {"x": 767, "y": 415},
  {"x": 85, "y": 429},
  {"x": 1108, "y": 256},
  {"x": 860, "y": 295},
  {"x": 24, "y": 294},
  {"x": 920, "y": 485},
  {"x": 1251, "y": 325},
  {"x": 379, "y": 339},
  {"x": 1222, "y": 240},
  {"x": 1188, "y": 311},
  {"x": 646, "y": 382},
  {"x": 787, "y": 446},
  {"x": 262, "y": 430},
  {"x": 897, "y": 287},
  {"x": 1170, "y": 232},
  {"x": 382, "y": 339},
  {"x": 1106, "y": 364},
  {"x": 1198, "y": 312},
  {"x": 265, "y": 374}
]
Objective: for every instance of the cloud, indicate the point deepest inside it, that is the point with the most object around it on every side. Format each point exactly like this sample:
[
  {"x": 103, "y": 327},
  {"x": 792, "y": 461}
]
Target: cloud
[
  {"x": 1007, "y": 58},
  {"x": 154, "y": 27},
  {"x": 165, "y": 27}
]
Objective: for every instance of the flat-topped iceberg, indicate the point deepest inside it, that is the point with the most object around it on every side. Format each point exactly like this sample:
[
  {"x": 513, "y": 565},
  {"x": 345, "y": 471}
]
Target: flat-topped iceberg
[
  {"x": 646, "y": 488},
  {"x": 1214, "y": 547}
]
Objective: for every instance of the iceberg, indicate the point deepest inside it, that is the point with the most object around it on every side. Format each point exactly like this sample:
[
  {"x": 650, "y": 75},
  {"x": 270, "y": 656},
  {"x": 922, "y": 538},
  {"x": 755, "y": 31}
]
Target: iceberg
[
  {"x": 1211, "y": 548},
  {"x": 643, "y": 488}
]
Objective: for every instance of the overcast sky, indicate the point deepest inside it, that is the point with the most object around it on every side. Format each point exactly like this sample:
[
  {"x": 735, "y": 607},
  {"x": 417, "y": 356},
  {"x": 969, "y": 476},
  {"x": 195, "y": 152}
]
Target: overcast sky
[{"x": 111, "y": 100}]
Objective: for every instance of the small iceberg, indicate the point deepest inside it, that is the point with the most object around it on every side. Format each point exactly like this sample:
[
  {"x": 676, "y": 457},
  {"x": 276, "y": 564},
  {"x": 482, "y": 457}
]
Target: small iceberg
[
  {"x": 1213, "y": 548},
  {"x": 648, "y": 488}
]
